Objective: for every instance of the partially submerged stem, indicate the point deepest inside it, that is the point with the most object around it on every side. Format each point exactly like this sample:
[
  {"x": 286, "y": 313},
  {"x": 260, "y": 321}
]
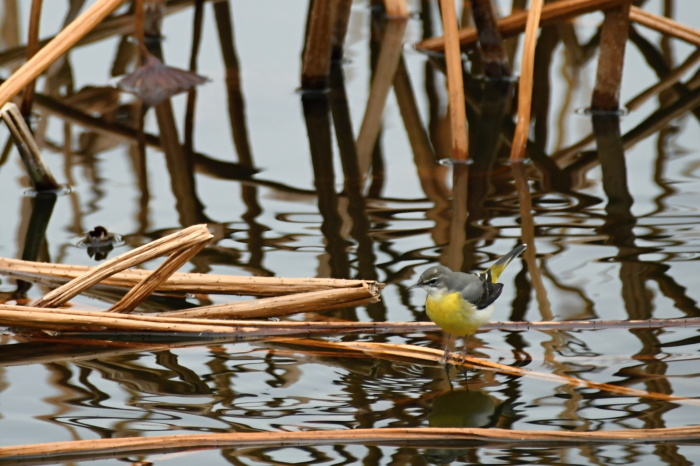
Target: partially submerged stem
[{"x": 38, "y": 171}]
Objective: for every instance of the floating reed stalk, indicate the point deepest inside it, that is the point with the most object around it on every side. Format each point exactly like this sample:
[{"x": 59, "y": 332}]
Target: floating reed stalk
[
  {"x": 38, "y": 171},
  {"x": 527, "y": 69},
  {"x": 437, "y": 437},
  {"x": 180, "y": 282},
  {"x": 613, "y": 38},
  {"x": 59, "y": 45},
  {"x": 455, "y": 83},
  {"x": 316, "y": 66}
]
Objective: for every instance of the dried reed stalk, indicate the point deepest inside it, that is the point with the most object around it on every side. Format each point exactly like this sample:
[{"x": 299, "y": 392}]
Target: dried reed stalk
[
  {"x": 396, "y": 8},
  {"x": 382, "y": 80},
  {"x": 32, "y": 48},
  {"x": 455, "y": 83},
  {"x": 29, "y": 151},
  {"x": 95, "y": 321},
  {"x": 515, "y": 23},
  {"x": 442, "y": 437},
  {"x": 288, "y": 304},
  {"x": 60, "y": 44},
  {"x": 183, "y": 239},
  {"x": 385, "y": 350},
  {"x": 316, "y": 64},
  {"x": 613, "y": 38},
  {"x": 182, "y": 282},
  {"x": 494, "y": 58},
  {"x": 527, "y": 67},
  {"x": 146, "y": 287},
  {"x": 665, "y": 26}
]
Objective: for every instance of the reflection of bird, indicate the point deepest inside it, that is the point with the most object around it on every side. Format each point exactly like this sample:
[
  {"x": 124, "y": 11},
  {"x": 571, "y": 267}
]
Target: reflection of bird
[
  {"x": 460, "y": 302},
  {"x": 459, "y": 409}
]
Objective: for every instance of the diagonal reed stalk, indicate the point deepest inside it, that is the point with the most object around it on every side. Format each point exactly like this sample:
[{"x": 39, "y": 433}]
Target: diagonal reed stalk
[{"x": 60, "y": 44}]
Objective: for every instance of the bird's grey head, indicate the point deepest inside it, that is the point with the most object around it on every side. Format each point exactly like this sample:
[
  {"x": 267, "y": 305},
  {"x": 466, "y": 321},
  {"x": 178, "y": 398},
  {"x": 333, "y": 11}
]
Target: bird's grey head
[{"x": 433, "y": 280}]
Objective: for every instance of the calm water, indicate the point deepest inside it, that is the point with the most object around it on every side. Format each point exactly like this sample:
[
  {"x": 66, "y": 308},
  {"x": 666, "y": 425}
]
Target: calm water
[{"x": 597, "y": 256}]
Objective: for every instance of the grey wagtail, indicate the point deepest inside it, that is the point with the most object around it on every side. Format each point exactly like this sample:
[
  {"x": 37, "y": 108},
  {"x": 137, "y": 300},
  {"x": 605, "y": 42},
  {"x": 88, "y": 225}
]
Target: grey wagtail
[{"x": 459, "y": 302}]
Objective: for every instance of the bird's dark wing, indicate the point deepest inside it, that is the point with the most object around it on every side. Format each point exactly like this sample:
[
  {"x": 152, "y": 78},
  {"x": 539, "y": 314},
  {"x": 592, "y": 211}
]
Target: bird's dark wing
[{"x": 490, "y": 294}]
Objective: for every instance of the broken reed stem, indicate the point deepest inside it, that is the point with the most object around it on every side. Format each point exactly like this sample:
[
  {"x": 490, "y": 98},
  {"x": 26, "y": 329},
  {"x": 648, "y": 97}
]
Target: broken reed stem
[
  {"x": 425, "y": 437},
  {"x": 613, "y": 39},
  {"x": 527, "y": 67},
  {"x": 665, "y": 25},
  {"x": 285, "y": 305},
  {"x": 515, "y": 23},
  {"x": 171, "y": 243},
  {"x": 182, "y": 282},
  {"x": 455, "y": 83},
  {"x": 28, "y": 149},
  {"x": 60, "y": 44},
  {"x": 145, "y": 288}
]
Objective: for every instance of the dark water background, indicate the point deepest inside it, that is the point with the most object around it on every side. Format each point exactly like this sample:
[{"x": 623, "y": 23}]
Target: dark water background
[{"x": 598, "y": 256}]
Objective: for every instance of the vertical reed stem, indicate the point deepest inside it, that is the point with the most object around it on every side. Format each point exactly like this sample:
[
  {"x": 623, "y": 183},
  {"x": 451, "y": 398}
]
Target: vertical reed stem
[
  {"x": 455, "y": 85},
  {"x": 613, "y": 38},
  {"x": 316, "y": 66},
  {"x": 527, "y": 69}
]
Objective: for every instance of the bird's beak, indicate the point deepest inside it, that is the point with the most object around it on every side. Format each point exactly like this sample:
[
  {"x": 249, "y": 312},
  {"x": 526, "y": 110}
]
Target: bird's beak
[{"x": 414, "y": 286}]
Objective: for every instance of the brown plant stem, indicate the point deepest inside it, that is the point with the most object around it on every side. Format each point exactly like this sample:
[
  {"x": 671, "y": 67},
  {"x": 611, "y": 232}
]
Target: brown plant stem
[
  {"x": 455, "y": 83},
  {"x": 527, "y": 68},
  {"x": 515, "y": 23},
  {"x": 606, "y": 95}
]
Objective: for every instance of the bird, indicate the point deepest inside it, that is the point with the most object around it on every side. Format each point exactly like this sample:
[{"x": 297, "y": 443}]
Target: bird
[{"x": 460, "y": 303}]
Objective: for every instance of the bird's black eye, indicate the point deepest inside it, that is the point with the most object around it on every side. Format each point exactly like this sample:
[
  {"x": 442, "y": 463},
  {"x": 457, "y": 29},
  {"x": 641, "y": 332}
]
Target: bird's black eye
[{"x": 432, "y": 282}]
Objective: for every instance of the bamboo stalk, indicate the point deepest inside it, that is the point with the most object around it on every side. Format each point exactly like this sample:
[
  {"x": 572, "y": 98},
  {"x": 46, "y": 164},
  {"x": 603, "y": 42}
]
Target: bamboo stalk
[
  {"x": 455, "y": 83},
  {"x": 515, "y": 23},
  {"x": 183, "y": 282},
  {"x": 527, "y": 68},
  {"x": 443, "y": 437},
  {"x": 60, "y": 44},
  {"x": 189, "y": 236},
  {"x": 665, "y": 25}
]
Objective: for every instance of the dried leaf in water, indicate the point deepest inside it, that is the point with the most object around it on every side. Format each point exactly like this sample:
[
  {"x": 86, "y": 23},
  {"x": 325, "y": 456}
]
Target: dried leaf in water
[{"x": 153, "y": 82}]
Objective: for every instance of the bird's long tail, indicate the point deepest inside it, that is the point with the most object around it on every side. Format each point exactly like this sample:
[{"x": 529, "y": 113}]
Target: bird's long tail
[{"x": 492, "y": 273}]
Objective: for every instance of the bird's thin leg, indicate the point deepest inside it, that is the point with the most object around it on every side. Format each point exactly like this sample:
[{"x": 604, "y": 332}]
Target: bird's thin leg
[{"x": 443, "y": 360}]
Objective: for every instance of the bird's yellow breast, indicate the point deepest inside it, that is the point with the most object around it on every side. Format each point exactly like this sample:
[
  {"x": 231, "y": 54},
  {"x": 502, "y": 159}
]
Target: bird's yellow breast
[{"x": 455, "y": 315}]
